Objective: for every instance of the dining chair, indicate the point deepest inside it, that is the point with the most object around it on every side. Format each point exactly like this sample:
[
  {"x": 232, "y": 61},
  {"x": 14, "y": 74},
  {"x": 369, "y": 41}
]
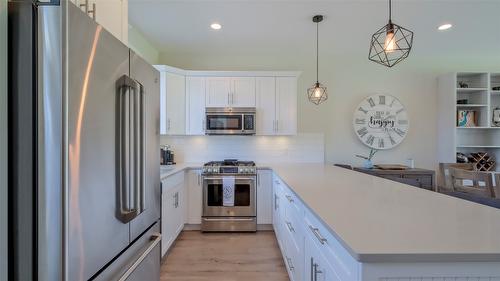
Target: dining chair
[
  {"x": 445, "y": 177},
  {"x": 472, "y": 182}
]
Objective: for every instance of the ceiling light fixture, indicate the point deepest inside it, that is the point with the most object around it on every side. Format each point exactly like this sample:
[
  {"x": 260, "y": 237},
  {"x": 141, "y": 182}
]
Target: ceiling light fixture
[
  {"x": 216, "y": 26},
  {"x": 445, "y": 26},
  {"x": 317, "y": 93},
  {"x": 390, "y": 44}
]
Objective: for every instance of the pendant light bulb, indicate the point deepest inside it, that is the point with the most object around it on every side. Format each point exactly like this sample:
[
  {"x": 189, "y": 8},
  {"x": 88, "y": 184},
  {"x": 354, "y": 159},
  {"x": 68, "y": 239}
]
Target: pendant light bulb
[
  {"x": 317, "y": 93},
  {"x": 390, "y": 42}
]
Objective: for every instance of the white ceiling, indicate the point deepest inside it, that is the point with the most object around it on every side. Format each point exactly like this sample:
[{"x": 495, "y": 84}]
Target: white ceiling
[{"x": 259, "y": 26}]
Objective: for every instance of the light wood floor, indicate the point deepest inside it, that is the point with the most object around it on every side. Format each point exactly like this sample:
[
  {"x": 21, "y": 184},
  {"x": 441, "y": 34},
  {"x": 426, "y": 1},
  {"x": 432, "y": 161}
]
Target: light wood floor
[{"x": 224, "y": 257}]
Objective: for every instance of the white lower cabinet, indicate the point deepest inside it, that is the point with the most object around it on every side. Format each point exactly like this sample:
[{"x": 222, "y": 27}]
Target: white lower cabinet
[
  {"x": 173, "y": 209},
  {"x": 264, "y": 197},
  {"x": 194, "y": 196},
  {"x": 310, "y": 251}
]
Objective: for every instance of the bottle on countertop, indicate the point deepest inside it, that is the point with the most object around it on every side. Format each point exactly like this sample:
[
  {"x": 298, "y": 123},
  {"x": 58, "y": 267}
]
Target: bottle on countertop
[{"x": 166, "y": 155}]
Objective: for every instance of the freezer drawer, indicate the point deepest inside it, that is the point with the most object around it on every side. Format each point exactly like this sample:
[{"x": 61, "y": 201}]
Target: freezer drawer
[{"x": 141, "y": 261}]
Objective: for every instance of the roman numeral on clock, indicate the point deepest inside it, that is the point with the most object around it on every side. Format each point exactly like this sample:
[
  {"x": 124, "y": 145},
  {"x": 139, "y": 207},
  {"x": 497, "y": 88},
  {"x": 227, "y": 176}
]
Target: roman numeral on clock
[
  {"x": 370, "y": 140},
  {"x": 362, "y": 132},
  {"x": 371, "y": 102},
  {"x": 400, "y": 110},
  {"x": 363, "y": 110},
  {"x": 393, "y": 142},
  {"x": 381, "y": 100},
  {"x": 399, "y": 132},
  {"x": 403, "y": 122},
  {"x": 360, "y": 121},
  {"x": 392, "y": 102},
  {"x": 381, "y": 143}
]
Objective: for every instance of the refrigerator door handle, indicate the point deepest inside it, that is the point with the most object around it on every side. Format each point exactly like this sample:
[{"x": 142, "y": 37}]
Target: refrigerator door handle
[
  {"x": 154, "y": 240},
  {"x": 142, "y": 153},
  {"x": 125, "y": 178}
]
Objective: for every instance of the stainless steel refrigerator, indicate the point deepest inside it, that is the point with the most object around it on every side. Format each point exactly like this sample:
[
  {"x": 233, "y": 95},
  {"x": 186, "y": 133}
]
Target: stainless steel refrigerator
[{"x": 84, "y": 184}]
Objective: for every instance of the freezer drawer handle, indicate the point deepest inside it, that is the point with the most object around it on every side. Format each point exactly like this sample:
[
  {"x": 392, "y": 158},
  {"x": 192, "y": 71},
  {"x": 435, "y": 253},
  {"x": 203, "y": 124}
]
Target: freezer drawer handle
[{"x": 154, "y": 240}]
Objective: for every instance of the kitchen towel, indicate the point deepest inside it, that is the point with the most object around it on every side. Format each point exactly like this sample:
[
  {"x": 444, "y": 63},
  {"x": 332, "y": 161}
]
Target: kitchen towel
[{"x": 228, "y": 191}]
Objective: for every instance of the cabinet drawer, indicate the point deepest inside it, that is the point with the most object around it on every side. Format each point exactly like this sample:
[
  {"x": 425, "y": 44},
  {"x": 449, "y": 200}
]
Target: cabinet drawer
[
  {"x": 424, "y": 180},
  {"x": 341, "y": 261}
]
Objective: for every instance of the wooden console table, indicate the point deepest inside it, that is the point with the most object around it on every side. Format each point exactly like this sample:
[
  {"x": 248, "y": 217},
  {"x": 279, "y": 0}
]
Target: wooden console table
[{"x": 416, "y": 177}]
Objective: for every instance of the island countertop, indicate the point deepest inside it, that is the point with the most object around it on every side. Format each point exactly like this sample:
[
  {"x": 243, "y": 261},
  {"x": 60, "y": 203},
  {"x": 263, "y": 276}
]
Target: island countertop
[{"x": 378, "y": 220}]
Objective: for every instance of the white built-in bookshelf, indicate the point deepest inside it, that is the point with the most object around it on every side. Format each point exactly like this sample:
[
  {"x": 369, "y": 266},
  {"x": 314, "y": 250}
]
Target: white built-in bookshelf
[{"x": 480, "y": 98}]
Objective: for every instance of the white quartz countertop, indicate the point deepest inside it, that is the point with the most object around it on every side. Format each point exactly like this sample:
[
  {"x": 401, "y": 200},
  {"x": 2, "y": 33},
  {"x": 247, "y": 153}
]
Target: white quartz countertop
[
  {"x": 379, "y": 220},
  {"x": 168, "y": 170}
]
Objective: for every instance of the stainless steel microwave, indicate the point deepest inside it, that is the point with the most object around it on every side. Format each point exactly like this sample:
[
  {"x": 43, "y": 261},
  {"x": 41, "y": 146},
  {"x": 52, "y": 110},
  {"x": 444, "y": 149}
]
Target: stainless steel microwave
[{"x": 230, "y": 121}]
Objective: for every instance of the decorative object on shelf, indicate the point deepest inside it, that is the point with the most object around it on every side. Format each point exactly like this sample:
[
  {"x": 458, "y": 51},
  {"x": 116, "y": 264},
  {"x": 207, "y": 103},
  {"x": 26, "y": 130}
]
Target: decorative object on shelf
[
  {"x": 462, "y": 158},
  {"x": 462, "y": 101},
  {"x": 482, "y": 161},
  {"x": 368, "y": 164},
  {"x": 496, "y": 117},
  {"x": 391, "y": 44},
  {"x": 317, "y": 93},
  {"x": 495, "y": 88},
  {"x": 463, "y": 85},
  {"x": 466, "y": 118},
  {"x": 381, "y": 121}
]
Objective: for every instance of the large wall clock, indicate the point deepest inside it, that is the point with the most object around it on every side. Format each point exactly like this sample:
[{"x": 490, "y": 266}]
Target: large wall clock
[{"x": 381, "y": 121}]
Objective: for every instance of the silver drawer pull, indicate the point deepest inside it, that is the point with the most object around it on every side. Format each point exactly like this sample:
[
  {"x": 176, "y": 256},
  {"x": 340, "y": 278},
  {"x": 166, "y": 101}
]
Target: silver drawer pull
[
  {"x": 154, "y": 240},
  {"x": 289, "y": 262},
  {"x": 290, "y": 199},
  {"x": 318, "y": 235},
  {"x": 290, "y": 227},
  {"x": 276, "y": 182}
]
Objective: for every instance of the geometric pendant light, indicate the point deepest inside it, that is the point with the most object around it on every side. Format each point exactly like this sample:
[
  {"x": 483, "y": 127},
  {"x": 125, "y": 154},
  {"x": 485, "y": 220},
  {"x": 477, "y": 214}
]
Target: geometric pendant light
[
  {"x": 317, "y": 92},
  {"x": 390, "y": 44}
]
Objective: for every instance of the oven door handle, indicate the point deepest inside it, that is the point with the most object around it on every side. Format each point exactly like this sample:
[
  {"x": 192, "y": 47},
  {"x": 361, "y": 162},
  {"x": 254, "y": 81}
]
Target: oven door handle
[
  {"x": 230, "y": 219},
  {"x": 235, "y": 177}
]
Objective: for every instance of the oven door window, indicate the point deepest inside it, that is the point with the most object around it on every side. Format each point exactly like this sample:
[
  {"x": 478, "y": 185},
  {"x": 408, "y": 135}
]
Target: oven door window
[
  {"x": 241, "y": 195},
  {"x": 224, "y": 122}
]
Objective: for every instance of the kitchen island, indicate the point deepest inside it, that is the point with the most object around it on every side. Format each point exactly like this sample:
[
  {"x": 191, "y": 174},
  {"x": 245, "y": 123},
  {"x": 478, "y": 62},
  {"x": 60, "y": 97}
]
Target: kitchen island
[{"x": 337, "y": 224}]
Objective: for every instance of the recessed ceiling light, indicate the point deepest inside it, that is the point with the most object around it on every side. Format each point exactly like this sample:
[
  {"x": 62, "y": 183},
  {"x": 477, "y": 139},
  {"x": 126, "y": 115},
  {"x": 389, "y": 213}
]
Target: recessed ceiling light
[
  {"x": 216, "y": 26},
  {"x": 445, "y": 26}
]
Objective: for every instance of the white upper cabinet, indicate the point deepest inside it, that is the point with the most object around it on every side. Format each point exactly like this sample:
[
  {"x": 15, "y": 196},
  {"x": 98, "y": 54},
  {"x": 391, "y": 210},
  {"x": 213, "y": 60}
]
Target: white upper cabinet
[
  {"x": 286, "y": 105},
  {"x": 276, "y": 106},
  {"x": 243, "y": 92},
  {"x": 173, "y": 107},
  {"x": 218, "y": 92},
  {"x": 230, "y": 92},
  {"x": 111, "y": 14},
  {"x": 266, "y": 106},
  {"x": 195, "y": 105}
]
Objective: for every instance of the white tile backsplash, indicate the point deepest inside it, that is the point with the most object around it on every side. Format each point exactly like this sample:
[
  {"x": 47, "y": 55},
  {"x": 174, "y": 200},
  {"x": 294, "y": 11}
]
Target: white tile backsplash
[{"x": 302, "y": 148}]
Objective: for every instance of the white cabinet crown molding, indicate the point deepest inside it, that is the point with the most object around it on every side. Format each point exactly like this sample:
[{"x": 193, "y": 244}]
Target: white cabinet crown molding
[{"x": 210, "y": 73}]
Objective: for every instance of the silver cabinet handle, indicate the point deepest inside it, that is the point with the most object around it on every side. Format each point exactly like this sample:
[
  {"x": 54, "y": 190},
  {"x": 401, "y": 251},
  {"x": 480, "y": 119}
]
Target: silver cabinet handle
[
  {"x": 154, "y": 240},
  {"x": 228, "y": 99},
  {"x": 168, "y": 124},
  {"x": 312, "y": 269},
  {"x": 274, "y": 126},
  {"x": 86, "y": 8},
  {"x": 290, "y": 227},
  {"x": 199, "y": 179},
  {"x": 275, "y": 201},
  {"x": 316, "y": 271},
  {"x": 258, "y": 179},
  {"x": 318, "y": 235},
  {"x": 290, "y": 199},
  {"x": 277, "y": 182},
  {"x": 277, "y": 125},
  {"x": 232, "y": 98},
  {"x": 290, "y": 265}
]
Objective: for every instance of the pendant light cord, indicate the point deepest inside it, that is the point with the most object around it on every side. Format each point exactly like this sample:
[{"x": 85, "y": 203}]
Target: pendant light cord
[
  {"x": 317, "y": 52},
  {"x": 390, "y": 10}
]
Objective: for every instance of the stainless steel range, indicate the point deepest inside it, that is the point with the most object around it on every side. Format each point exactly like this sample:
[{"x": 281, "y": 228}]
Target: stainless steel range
[{"x": 229, "y": 196}]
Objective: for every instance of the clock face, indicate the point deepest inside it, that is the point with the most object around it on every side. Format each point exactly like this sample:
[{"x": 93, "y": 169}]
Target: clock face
[{"x": 381, "y": 121}]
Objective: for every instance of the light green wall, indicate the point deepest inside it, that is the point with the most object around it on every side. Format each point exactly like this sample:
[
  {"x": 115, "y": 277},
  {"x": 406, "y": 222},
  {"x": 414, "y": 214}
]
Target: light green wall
[
  {"x": 3, "y": 140},
  {"x": 142, "y": 46}
]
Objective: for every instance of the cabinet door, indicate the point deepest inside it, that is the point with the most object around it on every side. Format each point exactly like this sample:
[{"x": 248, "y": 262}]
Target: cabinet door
[
  {"x": 286, "y": 100},
  {"x": 195, "y": 193},
  {"x": 195, "y": 105},
  {"x": 176, "y": 101},
  {"x": 266, "y": 105},
  {"x": 167, "y": 217},
  {"x": 264, "y": 197},
  {"x": 218, "y": 91},
  {"x": 243, "y": 92},
  {"x": 111, "y": 14},
  {"x": 179, "y": 211},
  {"x": 316, "y": 266}
]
